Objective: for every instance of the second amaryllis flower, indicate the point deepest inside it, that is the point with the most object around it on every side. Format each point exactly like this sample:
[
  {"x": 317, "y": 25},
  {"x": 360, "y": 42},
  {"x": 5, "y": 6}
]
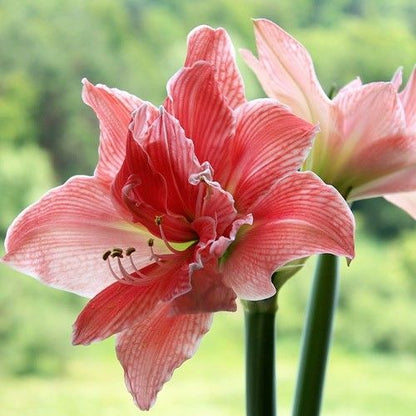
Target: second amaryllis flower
[
  {"x": 190, "y": 205},
  {"x": 367, "y": 141}
]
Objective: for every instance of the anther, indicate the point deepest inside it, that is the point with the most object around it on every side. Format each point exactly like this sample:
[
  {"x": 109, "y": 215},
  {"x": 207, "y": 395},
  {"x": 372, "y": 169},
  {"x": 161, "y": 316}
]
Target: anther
[
  {"x": 117, "y": 253},
  {"x": 150, "y": 242},
  {"x": 158, "y": 220},
  {"x": 106, "y": 254},
  {"x": 129, "y": 251}
]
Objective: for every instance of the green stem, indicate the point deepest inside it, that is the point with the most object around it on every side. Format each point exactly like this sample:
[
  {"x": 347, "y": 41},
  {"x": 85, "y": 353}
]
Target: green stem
[
  {"x": 317, "y": 337},
  {"x": 260, "y": 337}
]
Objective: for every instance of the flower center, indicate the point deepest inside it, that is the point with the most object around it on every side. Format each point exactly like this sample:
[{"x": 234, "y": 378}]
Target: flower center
[{"x": 137, "y": 276}]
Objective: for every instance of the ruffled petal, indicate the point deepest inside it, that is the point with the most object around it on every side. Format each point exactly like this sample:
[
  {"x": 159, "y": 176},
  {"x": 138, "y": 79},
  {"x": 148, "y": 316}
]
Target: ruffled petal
[
  {"x": 215, "y": 47},
  {"x": 285, "y": 70},
  {"x": 405, "y": 200},
  {"x": 172, "y": 155},
  {"x": 123, "y": 305},
  {"x": 300, "y": 216},
  {"x": 61, "y": 238},
  {"x": 152, "y": 350},
  {"x": 269, "y": 143},
  {"x": 208, "y": 294},
  {"x": 200, "y": 107},
  {"x": 113, "y": 108}
]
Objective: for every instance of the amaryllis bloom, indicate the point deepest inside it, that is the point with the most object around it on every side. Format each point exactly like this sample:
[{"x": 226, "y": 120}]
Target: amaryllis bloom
[
  {"x": 191, "y": 204},
  {"x": 367, "y": 141}
]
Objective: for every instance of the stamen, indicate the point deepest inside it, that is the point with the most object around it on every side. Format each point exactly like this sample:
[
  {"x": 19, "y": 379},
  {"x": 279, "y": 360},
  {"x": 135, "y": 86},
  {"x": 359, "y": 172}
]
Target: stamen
[
  {"x": 129, "y": 251},
  {"x": 127, "y": 277},
  {"x": 158, "y": 221},
  {"x": 153, "y": 255},
  {"x": 117, "y": 252},
  {"x": 106, "y": 254}
]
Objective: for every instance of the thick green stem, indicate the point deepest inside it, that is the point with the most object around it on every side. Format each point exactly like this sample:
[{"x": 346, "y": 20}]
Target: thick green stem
[
  {"x": 317, "y": 337},
  {"x": 260, "y": 336}
]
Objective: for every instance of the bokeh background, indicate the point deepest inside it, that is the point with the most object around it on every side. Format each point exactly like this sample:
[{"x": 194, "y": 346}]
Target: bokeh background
[{"x": 47, "y": 134}]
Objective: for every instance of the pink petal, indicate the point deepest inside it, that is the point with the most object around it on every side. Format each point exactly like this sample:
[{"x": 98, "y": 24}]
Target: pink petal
[
  {"x": 172, "y": 155},
  {"x": 285, "y": 70},
  {"x": 202, "y": 111},
  {"x": 215, "y": 47},
  {"x": 123, "y": 305},
  {"x": 352, "y": 85},
  {"x": 269, "y": 143},
  {"x": 400, "y": 180},
  {"x": 300, "y": 216},
  {"x": 191, "y": 191},
  {"x": 397, "y": 78},
  {"x": 113, "y": 109},
  {"x": 141, "y": 190},
  {"x": 208, "y": 294},
  {"x": 61, "y": 238},
  {"x": 405, "y": 200},
  {"x": 383, "y": 113},
  {"x": 152, "y": 350},
  {"x": 408, "y": 98}
]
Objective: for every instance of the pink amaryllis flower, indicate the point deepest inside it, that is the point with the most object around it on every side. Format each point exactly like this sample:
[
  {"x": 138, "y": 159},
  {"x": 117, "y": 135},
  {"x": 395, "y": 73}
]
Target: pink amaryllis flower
[
  {"x": 367, "y": 141},
  {"x": 190, "y": 205}
]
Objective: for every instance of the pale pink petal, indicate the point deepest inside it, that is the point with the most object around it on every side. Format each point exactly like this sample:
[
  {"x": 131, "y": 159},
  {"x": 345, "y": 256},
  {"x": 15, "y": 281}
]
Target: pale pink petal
[
  {"x": 384, "y": 166},
  {"x": 408, "y": 98},
  {"x": 61, "y": 238},
  {"x": 269, "y": 142},
  {"x": 285, "y": 70},
  {"x": 383, "y": 113},
  {"x": 123, "y": 305},
  {"x": 397, "y": 78},
  {"x": 200, "y": 107},
  {"x": 352, "y": 85},
  {"x": 405, "y": 200},
  {"x": 215, "y": 47},
  {"x": 113, "y": 108},
  {"x": 300, "y": 216},
  {"x": 152, "y": 350},
  {"x": 400, "y": 180}
]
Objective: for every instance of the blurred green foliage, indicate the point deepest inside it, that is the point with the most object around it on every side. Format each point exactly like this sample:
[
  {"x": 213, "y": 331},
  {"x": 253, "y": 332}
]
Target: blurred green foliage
[{"x": 47, "y": 134}]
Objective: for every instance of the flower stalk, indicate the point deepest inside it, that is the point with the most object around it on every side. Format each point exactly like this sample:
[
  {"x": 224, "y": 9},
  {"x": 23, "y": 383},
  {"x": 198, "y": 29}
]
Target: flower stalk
[
  {"x": 260, "y": 343},
  {"x": 317, "y": 337}
]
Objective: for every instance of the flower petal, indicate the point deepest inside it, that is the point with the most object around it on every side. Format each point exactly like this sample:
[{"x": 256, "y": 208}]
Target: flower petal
[
  {"x": 123, "y": 305},
  {"x": 300, "y": 216},
  {"x": 386, "y": 117},
  {"x": 152, "y": 350},
  {"x": 172, "y": 155},
  {"x": 113, "y": 108},
  {"x": 398, "y": 181},
  {"x": 269, "y": 143},
  {"x": 285, "y": 70},
  {"x": 202, "y": 111},
  {"x": 61, "y": 238},
  {"x": 215, "y": 46},
  {"x": 208, "y": 294},
  {"x": 408, "y": 98},
  {"x": 405, "y": 200}
]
